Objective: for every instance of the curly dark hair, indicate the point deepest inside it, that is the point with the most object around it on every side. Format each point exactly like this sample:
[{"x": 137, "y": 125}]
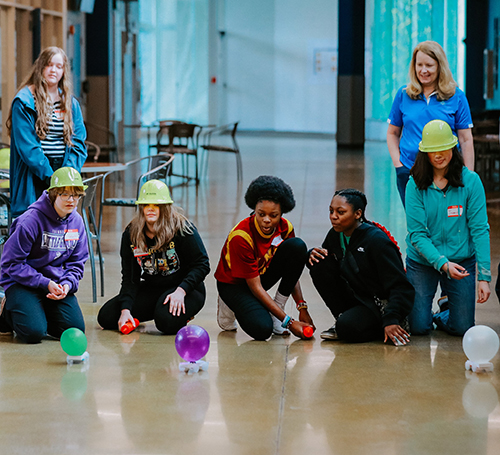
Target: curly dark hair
[{"x": 270, "y": 188}]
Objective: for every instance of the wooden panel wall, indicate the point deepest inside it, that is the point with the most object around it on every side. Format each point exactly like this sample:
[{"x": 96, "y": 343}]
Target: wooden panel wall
[{"x": 17, "y": 43}]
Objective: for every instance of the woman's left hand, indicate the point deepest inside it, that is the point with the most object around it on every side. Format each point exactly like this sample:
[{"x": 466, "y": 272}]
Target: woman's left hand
[
  {"x": 483, "y": 292},
  {"x": 304, "y": 316},
  {"x": 176, "y": 300},
  {"x": 396, "y": 334}
]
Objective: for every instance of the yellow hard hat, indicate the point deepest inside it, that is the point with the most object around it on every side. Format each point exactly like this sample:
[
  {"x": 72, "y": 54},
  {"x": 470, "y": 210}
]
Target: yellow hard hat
[
  {"x": 436, "y": 137},
  {"x": 154, "y": 192}
]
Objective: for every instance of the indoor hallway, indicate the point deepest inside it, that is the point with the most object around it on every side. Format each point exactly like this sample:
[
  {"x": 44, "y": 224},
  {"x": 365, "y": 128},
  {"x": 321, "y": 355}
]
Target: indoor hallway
[{"x": 283, "y": 396}]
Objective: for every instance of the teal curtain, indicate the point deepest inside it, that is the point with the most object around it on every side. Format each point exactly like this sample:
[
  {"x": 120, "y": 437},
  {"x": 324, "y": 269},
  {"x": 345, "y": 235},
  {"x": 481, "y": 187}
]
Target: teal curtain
[
  {"x": 396, "y": 27},
  {"x": 173, "y": 60}
]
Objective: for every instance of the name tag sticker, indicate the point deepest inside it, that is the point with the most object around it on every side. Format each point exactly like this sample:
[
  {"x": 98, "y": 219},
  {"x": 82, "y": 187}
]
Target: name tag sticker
[
  {"x": 276, "y": 241},
  {"x": 71, "y": 235},
  {"x": 455, "y": 210}
]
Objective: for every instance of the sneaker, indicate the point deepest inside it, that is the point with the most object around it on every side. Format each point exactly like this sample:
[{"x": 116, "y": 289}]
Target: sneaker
[
  {"x": 225, "y": 316},
  {"x": 277, "y": 329},
  {"x": 443, "y": 303},
  {"x": 330, "y": 334}
]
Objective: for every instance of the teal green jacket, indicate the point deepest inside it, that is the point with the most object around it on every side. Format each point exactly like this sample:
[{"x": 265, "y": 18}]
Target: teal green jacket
[{"x": 449, "y": 226}]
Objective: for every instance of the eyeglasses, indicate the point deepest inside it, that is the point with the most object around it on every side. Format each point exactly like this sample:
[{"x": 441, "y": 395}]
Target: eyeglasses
[{"x": 66, "y": 197}]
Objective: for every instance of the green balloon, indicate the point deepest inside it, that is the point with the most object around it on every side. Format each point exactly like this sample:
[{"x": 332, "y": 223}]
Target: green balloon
[{"x": 73, "y": 342}]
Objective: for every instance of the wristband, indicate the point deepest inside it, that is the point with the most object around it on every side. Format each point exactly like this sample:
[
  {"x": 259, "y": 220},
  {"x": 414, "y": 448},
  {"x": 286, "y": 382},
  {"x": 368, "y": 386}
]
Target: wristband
[
  {"x": 301, "y": 304},
  {"x": 286, "y": 321}
]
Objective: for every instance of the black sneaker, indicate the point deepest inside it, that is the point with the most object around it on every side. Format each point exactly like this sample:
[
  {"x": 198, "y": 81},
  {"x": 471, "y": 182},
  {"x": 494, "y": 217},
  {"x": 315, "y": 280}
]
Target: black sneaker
[
  {"x": 330, "y": 334},
  {"x": 443, "y": 303}
]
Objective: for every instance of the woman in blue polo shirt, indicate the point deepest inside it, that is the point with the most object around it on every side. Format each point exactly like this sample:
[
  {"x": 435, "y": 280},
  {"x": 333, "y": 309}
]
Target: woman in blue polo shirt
[
  {"x": 431, "y": 94},
  {"x": 448, "y": 235}
]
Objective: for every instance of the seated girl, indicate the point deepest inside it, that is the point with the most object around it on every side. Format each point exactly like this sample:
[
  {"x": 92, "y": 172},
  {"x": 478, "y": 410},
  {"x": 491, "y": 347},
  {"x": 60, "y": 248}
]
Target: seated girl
[
  {"x": 259, "y": 252},
  {"x": 43, "y": 262},
  {"x": 164, "y": 263},
  {"x": 359, "y": 274}
]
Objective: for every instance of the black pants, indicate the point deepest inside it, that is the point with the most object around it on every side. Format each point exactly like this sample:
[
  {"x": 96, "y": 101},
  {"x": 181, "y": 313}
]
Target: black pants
[
  {"x": 287, "y": 265},
  {"x": 355, "y": 321},
  {"x": 149, "y": 306}
]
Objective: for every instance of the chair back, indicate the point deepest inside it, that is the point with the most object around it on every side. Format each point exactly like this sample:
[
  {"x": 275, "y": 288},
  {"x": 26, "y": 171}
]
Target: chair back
[{"x": 91, "y": 191}]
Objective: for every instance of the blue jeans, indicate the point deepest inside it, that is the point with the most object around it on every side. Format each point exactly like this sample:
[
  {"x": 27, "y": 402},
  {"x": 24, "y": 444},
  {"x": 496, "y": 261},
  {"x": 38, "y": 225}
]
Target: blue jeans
[
  {"x": 32, "y": 315},
  {"x": 461, "y": 298},
  {"x": 402, "y": 177}
]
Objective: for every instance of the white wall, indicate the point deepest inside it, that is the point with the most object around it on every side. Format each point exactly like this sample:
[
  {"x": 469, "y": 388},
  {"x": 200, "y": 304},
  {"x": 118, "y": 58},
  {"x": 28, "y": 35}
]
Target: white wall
[{"x": 271, "y": 84}]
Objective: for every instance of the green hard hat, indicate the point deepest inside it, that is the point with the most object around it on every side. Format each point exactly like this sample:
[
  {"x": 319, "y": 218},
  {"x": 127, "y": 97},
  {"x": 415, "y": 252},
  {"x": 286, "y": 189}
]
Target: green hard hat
[
  {"x": 436, "y": 137},
  {"x": 66, "y": 176},
  {"x": 154, "y": 192}
]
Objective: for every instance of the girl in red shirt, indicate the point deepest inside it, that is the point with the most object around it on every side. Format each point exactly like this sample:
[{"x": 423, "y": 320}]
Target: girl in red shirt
[{"x": 260, "y": 251}]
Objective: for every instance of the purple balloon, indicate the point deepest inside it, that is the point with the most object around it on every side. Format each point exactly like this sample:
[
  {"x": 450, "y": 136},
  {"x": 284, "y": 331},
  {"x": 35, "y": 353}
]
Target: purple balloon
[{"x": 192, "y": 342}]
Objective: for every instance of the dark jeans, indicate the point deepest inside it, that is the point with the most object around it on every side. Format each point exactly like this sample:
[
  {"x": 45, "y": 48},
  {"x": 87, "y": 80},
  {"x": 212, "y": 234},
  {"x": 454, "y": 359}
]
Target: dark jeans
[
  {"x": 32, "y": 315},
  {"x": 402, "y": 177},
  {"x": 355, "y": 322},
  {"x": 41, "y": 186},
  {"x": 149, "y": 306},
  {"x": 287, "y": 265}
]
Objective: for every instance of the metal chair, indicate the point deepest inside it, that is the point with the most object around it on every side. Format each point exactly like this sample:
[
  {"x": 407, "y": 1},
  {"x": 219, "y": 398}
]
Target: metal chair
[
  {"x": 93, "y": 232},
  {"x": 158, "y": 167},
  {"x": 183, "y": 138},
  {"x": 219, "y": 132}
]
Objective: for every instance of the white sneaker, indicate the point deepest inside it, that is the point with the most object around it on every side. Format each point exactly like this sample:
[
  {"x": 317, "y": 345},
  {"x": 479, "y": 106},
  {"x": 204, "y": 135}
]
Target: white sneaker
[
  {"x": 277, "y": 329},
  {"x": 280, "y": 300},
  {"x": 225, "y": 316}
]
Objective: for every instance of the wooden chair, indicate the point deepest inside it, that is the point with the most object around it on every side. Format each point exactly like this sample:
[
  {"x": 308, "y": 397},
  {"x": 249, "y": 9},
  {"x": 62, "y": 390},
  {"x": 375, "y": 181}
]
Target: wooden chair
[
  {"x": 219, "y": 132},
  {"x": 105, "y": 139},
  {"x": 183, "y": 138}
]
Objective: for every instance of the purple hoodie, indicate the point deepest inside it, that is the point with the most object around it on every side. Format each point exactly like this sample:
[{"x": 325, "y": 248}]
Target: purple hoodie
[{"x": 44, "y": 247}]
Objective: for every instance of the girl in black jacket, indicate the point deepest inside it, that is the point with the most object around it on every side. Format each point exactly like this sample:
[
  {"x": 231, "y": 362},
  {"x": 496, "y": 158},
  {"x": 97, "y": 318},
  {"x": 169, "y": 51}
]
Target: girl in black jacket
[
  {"x": 359, "y": 273},
  {"x": 164, "y": 263}
]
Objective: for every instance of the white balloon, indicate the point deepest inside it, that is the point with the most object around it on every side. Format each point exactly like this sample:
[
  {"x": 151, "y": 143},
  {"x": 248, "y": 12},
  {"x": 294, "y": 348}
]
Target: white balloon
[{"x": 480, "y": 344}]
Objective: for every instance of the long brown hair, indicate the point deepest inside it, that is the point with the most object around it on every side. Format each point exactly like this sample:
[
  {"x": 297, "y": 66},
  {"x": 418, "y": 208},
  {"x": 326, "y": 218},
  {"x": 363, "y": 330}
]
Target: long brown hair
[
  {"x": 43, "y": 102},
  {"x": 446, "y": 85},
  {"x": 423, "y": 172},
  {"x": 170, "y": 221}
]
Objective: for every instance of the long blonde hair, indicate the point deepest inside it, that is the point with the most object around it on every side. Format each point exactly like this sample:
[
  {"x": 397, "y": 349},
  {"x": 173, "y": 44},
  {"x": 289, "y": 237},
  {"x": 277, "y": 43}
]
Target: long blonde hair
[
  {"x": 171, "y": 221},
  {"x": 43, "y": 102},
  {"x": 446, "y": 85}
]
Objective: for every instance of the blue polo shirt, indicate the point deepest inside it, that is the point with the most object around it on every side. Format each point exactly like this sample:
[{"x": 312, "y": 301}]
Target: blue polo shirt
[{"x": 413, "y": 115}]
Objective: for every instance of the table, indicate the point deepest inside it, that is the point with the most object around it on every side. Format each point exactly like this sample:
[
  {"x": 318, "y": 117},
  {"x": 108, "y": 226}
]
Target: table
[{"x": 95, "y": 168}]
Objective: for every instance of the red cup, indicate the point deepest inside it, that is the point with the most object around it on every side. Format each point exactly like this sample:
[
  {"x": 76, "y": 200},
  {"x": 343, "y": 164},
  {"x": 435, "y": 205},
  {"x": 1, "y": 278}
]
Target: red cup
[
  {"x": 308, "y": 332},
  {"x": 129, "y": 327}
]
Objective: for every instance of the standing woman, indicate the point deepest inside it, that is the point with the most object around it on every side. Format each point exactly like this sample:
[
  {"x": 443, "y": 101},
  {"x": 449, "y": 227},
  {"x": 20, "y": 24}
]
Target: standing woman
[
  {"x": 359, "y": 274},
  {"x": 164, "y": 263},
  {"x": 46, "y": 129},
  {"x": 431, "y": 94},
  {"x": 448, "y": 234},
  {"x": 259, "y": 252}
]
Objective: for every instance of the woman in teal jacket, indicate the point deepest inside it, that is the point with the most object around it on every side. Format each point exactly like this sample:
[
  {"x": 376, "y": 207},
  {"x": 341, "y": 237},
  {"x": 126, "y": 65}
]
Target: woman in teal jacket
[
  {"x": 46, "y": 129},
  {"x": 448, "y": 234}
]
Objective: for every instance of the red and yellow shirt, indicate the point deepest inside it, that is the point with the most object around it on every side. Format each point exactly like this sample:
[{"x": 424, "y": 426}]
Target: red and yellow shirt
[{"x": 248, "y": 252}]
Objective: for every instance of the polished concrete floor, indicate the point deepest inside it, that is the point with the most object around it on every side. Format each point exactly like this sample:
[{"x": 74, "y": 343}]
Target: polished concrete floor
[{"x": 281, "y": 396}]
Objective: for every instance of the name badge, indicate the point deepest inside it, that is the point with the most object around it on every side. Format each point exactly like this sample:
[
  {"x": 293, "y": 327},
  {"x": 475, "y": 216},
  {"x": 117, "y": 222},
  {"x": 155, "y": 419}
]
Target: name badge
[
  {"x": 71, "y": 235},
  {"x": 455, "y": 210},
  {"x": 276, "y": 241}
]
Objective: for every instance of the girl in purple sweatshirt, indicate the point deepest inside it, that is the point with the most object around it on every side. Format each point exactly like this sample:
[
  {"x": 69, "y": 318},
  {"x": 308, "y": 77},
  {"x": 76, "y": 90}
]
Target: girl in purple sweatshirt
[{"x": 43, "y": 262}]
